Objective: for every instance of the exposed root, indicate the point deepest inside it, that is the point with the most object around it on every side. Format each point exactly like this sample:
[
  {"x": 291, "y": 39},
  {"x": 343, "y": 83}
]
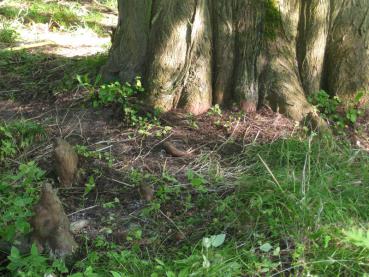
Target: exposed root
[{"x": 171, "y": 149}]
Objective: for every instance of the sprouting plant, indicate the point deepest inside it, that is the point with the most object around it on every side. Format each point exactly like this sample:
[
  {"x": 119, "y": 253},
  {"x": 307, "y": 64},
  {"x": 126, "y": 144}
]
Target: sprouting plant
[
  {"x": 215, "y": 110},
  {"x": 18, "y": 192},
  {"x": 17, "y": 136},
  {"x": 197, "y": 181},
  {"x": 8, "y": 34},
  {"x": 34, "y": 264},
  {"x": 84, "y": 151},
  {"x": 90, "y": 185},
  {"x": 192, "y": 122},
  {"x": 333, "y": 110},
  {"x": 358, "y": 237},
  {"x": 126, "y": 100}
]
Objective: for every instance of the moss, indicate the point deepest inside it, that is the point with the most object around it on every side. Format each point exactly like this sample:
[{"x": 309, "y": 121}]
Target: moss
[{"x": 272, "y": 20}]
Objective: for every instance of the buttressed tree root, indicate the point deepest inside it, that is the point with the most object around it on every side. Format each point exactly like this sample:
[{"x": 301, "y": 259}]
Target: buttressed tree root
[
  {"x": 192, "y": 54},
  {"x": 51, "y": 227}
]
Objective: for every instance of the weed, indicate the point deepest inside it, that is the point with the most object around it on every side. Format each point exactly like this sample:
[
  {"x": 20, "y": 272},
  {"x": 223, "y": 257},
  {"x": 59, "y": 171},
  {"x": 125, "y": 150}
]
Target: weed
[
  {"x": 332, "y": 109},
  {"x": 34, "y": 264},
  {"x": 192, "y": 121},
  {"x": 109, "y": 3},
  {"x": 83, "y": 151},
  {"x": 9, "y": 12},
  {"x": 126, "y": 100},
  {"x": 8, "y": 34},
  {"x": 19, "y": 191},
  {"x": 17, "y": 136},
  {"x": 299, "y": 207},
  {"x": 215, "y": 110},
  {"x": 59, "y": 15}
]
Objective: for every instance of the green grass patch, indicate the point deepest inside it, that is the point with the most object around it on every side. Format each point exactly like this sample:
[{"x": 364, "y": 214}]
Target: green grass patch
[
  {"x": 40, "y": 12},
  {"x": 300, "y": 207},
  {"x": 67, "y": 15},
  {"x": 10, "y": 12},
  {"x": 18, "y": 136},
  {"x": 8, "y": 34},
  {"x": 19, "y": 192}
]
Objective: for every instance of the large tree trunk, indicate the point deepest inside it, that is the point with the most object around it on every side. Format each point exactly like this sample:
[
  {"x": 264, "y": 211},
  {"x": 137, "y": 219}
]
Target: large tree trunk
[{"x": 193, "y": 53}]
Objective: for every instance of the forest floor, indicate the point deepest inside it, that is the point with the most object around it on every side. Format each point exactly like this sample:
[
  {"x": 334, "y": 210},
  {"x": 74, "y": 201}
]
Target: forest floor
[{"x": 255, "y": 195}]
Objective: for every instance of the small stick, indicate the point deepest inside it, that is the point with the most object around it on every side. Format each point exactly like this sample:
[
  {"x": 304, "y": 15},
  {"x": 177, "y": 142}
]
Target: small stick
[
  {"x": 120, "y": 182},
  {"x": 85, "y": 209},
  {"x": 271, "y": 173},
  {"x": 171, "y": 221}
]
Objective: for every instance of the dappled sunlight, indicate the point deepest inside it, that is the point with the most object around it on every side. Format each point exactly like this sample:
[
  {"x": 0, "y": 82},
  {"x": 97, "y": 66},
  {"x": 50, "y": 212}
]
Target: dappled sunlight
[
  {"x": 64, "y": 28},
  {"x": 81, "y": 42}
]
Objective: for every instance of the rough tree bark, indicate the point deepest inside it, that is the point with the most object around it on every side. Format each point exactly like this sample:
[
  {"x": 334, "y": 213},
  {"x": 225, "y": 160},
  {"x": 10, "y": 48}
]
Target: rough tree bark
[{"x": 193, "y": 53}]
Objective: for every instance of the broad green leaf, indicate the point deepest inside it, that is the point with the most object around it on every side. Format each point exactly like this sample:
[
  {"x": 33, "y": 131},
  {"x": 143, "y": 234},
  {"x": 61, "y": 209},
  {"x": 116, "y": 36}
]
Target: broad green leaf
[
  {"x": 115, "y": 274},
  {"x": 266, "y": 247},
  {"x": 217, "y": 240}
]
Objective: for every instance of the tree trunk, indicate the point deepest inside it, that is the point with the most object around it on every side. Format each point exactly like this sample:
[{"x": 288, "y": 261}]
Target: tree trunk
[{"x": 194, "y": 53}]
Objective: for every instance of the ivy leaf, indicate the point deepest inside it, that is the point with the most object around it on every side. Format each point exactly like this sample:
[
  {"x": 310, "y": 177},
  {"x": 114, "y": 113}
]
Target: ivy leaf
[
  {"x": 266, "y": 247},
  {"x": 217, "y": 240}
]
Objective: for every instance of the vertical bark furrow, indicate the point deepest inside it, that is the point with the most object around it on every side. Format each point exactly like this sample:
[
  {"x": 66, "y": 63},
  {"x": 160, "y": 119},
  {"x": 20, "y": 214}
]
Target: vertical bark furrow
[
  {"x": 128, "y": 53},
  {"x": 224, "y": 49},
  {"x": 347, "y": 58},
  {"x": 248, "y": 44},
  {"x": 170, "y": 42},
  {"x": 285, "y": 92},
  {"x": 197, "y": 90},
  {"x": 312, "y": 42},
  {"x": 190, "y": 50}
]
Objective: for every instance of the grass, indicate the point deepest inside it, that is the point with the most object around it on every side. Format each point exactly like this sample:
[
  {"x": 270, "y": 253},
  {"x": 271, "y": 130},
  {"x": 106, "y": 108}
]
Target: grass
[
  {"x": 113, "y": 4},
  {"x": 298, "y": 207},
  {"x": 66, "y": 15},
  {"x": 8, "y": 34},
  {"x": 290, "y": 211}
]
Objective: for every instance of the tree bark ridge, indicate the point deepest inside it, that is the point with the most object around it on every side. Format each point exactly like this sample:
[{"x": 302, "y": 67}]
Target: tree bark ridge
[{"x": 193, "y": 53}]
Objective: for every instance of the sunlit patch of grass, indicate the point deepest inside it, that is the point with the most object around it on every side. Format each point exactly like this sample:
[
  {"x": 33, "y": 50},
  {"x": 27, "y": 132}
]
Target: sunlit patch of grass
[
  {"x": 9, "y": 12},
  {"x": 113, "y": 4},
  {"x": 40, "y": 12},
  {"x": 63, "y": 15}
]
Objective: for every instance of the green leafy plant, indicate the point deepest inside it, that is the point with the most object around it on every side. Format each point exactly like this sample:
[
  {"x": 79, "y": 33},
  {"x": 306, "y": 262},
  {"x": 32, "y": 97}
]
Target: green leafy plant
[
  {"x": 18, "y": 192},
  {"x": 126, "y": 100},
  {"x": 8, "y": 34},
  {"x": 197, "y": 181},
  {"x": 19, "y": 135},
  {"x": 84, "y": 151},
  {"x": 90, "y": 185},
  {"x": 33, "y": 264},
  {"x": 215, "y": 110},
  {"x": 333, "y": 110}
]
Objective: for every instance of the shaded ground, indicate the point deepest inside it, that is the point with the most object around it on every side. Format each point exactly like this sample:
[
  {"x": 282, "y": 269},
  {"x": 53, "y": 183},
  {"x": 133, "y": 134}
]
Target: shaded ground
[{"x": 39, "y": 84}]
